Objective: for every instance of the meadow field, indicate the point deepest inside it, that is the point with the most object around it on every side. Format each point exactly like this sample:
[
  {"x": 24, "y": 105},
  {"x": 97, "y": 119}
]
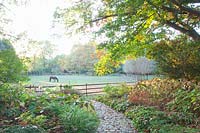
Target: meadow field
[{"x": 79, "y": 79}]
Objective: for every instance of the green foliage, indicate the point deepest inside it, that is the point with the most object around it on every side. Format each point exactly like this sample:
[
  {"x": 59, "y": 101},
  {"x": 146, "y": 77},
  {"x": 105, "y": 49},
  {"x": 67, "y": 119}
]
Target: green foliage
[
  {"x": 162, "y": 93},
  {"x": 84, "y": 104},
  {"x": 178, "y": 58},
  {"x": 69, "y": 90},
  {"x": 186, "y": 101},
  {"x": 74, "y": 119},
  {"x": 117, "y": 91},
  {"x": 131, "y": 26},
  {"x": 50, "y": 111},
  {"x": 171, "y": 128},
  {"x": 144, "y": 118},
  {"x": 106, "y": 65},
  {"x": 47, "y": 109},
  {"x": 116, "y": 97},
  {"x": 121, "y": 106},
  {"x": 23, "y": 129},
  {"x": 12, "y": 69},
  {"x": 183, "y": 118},
  {"x": 29, "y": 117},
  {"x": 104, "y": 99},
  {"x": 12, "y": 97},
  {"x": 148, "y": 119}
]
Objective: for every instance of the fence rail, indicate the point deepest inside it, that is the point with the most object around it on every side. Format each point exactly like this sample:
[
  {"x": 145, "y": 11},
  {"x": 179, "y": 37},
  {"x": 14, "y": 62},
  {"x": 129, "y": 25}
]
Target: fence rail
[{"x": 87, "y": 89}]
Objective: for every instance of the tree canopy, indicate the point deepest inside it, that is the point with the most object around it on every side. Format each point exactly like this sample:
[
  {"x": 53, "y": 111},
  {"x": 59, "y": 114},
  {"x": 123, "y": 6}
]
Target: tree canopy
[
  {"x": 130, "y": 26},
  {"x": 178, "y": 58},
  {"x": 138, "y": 16}
]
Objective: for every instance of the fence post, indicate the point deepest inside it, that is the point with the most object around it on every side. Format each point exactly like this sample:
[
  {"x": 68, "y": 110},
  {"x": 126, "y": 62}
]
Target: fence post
[
  {"x": 86, "y": 89},
  {"x": 60, "y": 87},
  {"x": 39, "y": 89},
  {"x": 35, "y": 88}
]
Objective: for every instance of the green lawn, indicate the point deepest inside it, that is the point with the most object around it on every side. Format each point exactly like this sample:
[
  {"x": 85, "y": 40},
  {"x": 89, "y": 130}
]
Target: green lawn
[{"x": 78, "y": 79}]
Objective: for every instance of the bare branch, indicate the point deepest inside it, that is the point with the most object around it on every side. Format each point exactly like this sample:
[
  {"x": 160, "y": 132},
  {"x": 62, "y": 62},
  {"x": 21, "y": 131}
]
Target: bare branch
[{"x": 2, "y": 5}]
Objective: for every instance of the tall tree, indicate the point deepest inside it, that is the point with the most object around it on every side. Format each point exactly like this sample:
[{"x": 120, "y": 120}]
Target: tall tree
[
  {"x": 62, "y": 62},
  {"x": 11, "y": 68},
  {"x": 39, "y": 54},
  {"x": 83, "y": 57}
]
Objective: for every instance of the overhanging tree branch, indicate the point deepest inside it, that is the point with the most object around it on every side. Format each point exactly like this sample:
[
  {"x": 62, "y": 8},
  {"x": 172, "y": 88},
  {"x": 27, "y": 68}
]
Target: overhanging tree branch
[
  {"x": 109, "y": 16},
  {"x": 174, "y": 10},
  {"x": 178, "y": 9},
  {"x": 191, "y": 32},
  {"x": 187, "y": 9},
  {"x": 189, "y": 1},
  {"x": 104, "y": 17}
]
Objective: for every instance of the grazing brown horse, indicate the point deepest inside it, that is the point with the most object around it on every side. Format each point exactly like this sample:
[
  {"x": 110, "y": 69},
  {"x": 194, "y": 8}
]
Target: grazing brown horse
[{"x": 54, "y": 78}]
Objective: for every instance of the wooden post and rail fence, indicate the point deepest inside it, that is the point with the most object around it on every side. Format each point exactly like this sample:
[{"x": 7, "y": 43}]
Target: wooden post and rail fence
[{"x": 87, "y": 89}]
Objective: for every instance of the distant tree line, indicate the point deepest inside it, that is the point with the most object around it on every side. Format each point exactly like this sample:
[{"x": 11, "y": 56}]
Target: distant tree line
[{"x": 81, "y": 60}]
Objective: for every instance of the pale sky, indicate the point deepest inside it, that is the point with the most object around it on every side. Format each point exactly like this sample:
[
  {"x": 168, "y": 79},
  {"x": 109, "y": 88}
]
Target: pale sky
[{"x": 36, "y": 19}]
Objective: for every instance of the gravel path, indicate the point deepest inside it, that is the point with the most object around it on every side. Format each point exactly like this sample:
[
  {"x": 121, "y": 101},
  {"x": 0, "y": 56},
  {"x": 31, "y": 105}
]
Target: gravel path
[{"x": 112, "y": 121}]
